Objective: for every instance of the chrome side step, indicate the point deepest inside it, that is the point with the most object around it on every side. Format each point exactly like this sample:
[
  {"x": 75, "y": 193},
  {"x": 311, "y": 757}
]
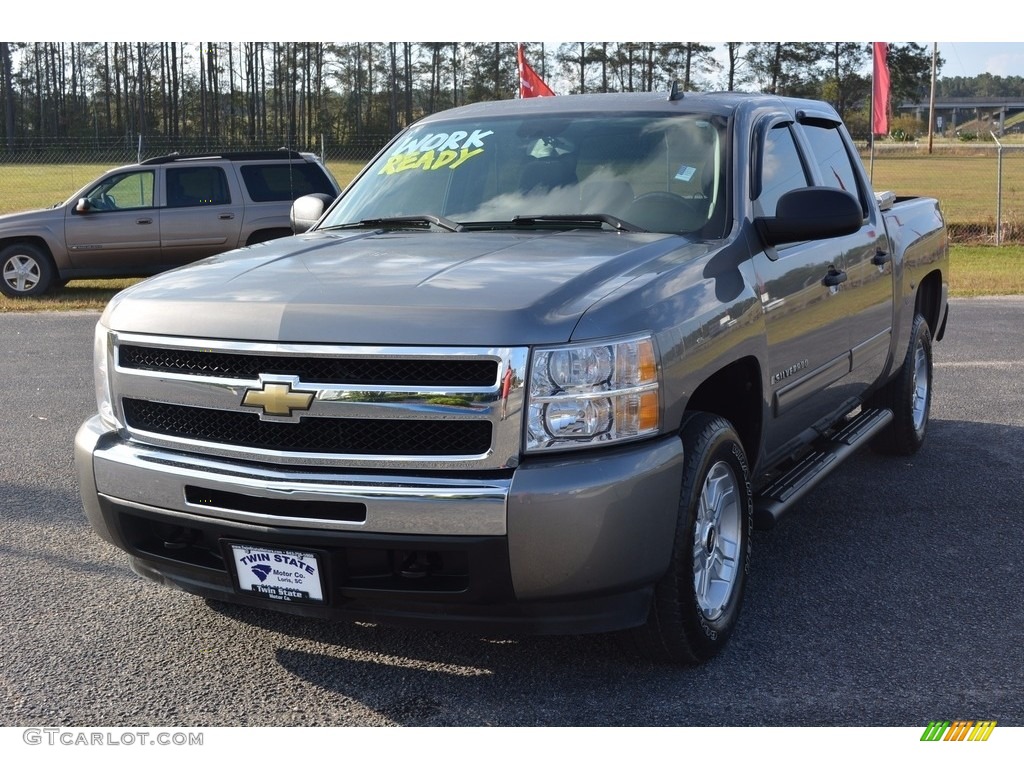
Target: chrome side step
[{"x": 788, "y": 489}]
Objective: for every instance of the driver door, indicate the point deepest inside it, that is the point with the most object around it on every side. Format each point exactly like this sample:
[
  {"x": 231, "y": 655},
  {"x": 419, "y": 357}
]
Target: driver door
[
  {"x": 118, "y": 229},
  {"x": 806, "y": 319}
]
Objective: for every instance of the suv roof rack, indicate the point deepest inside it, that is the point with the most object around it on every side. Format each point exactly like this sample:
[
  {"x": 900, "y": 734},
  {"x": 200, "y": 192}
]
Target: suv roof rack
[{"x": 273, "y": 154}]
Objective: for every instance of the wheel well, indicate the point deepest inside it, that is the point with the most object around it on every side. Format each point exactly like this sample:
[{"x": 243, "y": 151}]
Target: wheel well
[
  {"x": 929, "y": 298},
  {"x": 735, "y": 394},
  {"x": 38, "y": 242},
  {"x": 262, "y": 235}
]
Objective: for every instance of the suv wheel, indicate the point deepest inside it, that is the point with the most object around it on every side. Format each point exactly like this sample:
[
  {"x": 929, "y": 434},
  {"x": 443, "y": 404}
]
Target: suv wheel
[{"x": 25, "y": 270}]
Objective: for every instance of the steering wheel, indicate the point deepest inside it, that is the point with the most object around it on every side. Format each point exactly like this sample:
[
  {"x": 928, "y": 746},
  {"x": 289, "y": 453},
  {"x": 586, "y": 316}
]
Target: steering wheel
[
  {"x": 662, "y": 211},
  {"x": 102, "y": 202}
]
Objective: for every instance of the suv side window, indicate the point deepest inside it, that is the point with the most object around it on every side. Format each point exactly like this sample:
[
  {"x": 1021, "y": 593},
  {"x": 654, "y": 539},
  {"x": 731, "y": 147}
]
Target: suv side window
[
  {"x": 123, "y": 191},
  {"x": 276, "y": 182},
  {"x": 206, "y": 185},
  {"x": 829, "y": 152},
  {"x": 782, "y": 170}
]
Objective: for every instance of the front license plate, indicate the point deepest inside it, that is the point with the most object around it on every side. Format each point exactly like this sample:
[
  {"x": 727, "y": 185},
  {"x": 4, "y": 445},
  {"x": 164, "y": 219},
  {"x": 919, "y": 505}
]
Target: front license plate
[{"x": 278, "y": 574}]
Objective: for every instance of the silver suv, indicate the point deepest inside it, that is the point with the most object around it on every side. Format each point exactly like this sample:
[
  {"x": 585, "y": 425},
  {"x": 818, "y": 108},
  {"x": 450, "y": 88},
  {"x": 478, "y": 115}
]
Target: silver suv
[{"x": 141, "y": 219}]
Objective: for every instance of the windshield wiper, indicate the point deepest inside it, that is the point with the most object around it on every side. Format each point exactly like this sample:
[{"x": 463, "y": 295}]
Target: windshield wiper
[
  {"x": 579, "y": 218},
  {"x": 401, "y": 222}
]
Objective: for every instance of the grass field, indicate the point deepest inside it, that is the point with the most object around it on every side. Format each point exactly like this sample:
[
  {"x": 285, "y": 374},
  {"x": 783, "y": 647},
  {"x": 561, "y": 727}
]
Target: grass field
[
  {"x": 966, "y": 186},
  {"x": 27, "y": 187},
  {"x": 964, "y": 183},
  {"x": 986, "y": 271}
]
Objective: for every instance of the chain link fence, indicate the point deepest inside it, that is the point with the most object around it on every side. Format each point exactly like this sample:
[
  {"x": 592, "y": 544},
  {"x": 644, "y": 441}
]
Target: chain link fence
[
  {"x": 979, "y": 185},
  {"x": 124, "y": 150},
  {"x": 39, "y": 173}
]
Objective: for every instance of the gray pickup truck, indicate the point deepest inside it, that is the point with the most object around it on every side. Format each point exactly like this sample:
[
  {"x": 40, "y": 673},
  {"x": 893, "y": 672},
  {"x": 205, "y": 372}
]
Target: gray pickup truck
[
  {"x": 141, "y": 219},
  {"x": 543, "y": 367}
]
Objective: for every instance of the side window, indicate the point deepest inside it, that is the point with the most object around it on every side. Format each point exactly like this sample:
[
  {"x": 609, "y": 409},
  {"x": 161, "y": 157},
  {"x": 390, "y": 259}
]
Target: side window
[
  {"x": 829, "y": 152},
  {"x": 126, "y": 190},
  {"x": 196, "y": 186},
  {"x": 284, "y": 181},
  {"x": 782, "y": 169}
]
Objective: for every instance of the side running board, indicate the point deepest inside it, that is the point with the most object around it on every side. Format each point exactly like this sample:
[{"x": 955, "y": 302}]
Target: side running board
[{"x": 828, "y": 454}]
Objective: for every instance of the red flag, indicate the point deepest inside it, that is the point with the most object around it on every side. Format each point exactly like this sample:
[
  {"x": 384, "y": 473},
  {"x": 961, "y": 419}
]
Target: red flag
[
  {"x": 530, "y": 83},
  {"x": 880, "y": 90}
]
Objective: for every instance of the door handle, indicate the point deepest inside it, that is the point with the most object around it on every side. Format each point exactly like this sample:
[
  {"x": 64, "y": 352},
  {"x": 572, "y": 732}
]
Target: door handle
[
  {"x": 880, "y": 258},
  {"x": 143, "y": 221},
  {"x": 226, "y": 216},
  {"x": 833, "y": 278}
]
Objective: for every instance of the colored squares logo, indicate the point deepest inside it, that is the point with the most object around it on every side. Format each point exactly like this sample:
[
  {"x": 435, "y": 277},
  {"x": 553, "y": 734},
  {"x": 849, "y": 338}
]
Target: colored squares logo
[{"x": 958, "y": 730}]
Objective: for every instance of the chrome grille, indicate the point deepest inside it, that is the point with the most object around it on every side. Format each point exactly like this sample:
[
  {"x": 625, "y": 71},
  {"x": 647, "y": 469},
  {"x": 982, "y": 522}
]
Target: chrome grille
[
  {"x": 379, "y": 437},
  {"x": 362, "y": 371},
  {"x": 386, "y": 407}
]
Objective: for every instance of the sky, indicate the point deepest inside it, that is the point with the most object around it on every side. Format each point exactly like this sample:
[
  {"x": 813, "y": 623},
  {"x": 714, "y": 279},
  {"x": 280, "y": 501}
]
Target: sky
[{"x": 969, "y": 59}]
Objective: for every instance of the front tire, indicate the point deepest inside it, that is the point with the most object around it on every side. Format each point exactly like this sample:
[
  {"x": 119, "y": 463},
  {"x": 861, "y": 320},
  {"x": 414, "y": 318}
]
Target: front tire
[
  {"x": 25, "y": 270},
  {"x": 697, "y": 603}
]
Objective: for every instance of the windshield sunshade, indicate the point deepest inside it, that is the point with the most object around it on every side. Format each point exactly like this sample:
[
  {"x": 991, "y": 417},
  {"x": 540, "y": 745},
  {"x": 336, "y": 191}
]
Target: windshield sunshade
[{"x": 646, "y": 172}]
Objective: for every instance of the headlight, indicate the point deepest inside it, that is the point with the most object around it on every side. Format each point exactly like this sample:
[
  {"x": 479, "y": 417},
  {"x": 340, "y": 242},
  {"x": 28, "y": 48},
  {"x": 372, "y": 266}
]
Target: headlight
[
  {"x": 101, "y": 359},
  {"x": 592, "y": 394}
]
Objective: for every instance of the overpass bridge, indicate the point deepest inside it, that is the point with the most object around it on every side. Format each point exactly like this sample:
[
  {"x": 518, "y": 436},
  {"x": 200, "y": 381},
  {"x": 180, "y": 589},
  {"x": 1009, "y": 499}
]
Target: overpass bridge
[{"x": 952, "y": 112}]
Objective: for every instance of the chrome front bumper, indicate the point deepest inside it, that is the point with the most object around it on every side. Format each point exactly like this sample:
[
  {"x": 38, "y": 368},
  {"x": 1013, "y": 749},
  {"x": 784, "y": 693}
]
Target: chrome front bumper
[{"x": 574, "y": 528}]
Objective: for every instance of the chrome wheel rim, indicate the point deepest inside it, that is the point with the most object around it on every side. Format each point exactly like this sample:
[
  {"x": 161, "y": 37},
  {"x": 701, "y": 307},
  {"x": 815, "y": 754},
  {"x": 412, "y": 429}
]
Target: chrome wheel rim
[
  {"x": 21, "y": 273},
  {"x": 716, "y": 541},
  {"x": 919, "y": 391}
]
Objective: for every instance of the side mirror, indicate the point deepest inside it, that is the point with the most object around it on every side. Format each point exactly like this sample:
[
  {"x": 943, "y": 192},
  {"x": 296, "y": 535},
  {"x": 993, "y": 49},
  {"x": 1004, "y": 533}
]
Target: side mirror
[
  {"x": 811, "y": 213},
  {"x": 307, "y": 210},
  {"x": 82, "y": 206}
]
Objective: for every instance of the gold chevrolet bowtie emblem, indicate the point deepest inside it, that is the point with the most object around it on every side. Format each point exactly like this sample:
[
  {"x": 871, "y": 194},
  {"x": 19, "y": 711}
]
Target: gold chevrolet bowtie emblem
[{"x": 278, "y": 399}]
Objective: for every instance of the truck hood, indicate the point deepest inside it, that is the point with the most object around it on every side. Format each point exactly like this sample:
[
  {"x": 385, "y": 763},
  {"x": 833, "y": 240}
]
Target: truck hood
[
  {"x": 407, "y": 288},
  {"x": 42, "y": 217}
]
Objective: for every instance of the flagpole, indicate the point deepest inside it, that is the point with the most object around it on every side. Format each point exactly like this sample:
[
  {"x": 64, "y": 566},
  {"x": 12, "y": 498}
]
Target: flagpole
[
  {"x": 519, "y": 68},
  {"x": 871, "y": 121}
]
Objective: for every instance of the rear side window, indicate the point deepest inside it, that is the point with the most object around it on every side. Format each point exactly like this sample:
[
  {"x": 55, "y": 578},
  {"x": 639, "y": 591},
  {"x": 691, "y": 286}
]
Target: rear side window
[
  {"x": 829, "y": 150},
  {"x": 284, "y": 181},
  {"x": 188, "y": 187}
]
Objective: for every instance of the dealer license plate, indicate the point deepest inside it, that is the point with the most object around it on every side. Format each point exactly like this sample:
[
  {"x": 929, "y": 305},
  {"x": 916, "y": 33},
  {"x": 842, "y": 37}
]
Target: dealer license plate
[{"x": 278, "y": 574}]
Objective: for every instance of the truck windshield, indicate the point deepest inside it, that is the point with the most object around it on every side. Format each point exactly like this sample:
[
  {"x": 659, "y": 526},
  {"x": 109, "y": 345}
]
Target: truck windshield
[{"x": 652, "y": 172}]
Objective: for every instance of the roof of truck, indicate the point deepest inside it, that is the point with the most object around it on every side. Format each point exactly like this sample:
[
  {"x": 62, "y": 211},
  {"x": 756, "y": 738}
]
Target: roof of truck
[{"x": 716, "y": 103}]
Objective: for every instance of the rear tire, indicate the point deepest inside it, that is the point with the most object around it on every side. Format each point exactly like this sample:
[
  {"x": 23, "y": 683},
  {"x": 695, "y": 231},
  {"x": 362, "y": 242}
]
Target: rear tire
[
  {"x": 909, "y": 396},
  {"x": 697, "y": 603},
  {"x": 25, "y": 270}
]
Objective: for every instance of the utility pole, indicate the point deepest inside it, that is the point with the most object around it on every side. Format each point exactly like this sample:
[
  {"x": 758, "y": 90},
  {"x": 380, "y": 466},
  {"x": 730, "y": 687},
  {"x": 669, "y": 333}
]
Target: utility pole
[{"x": 931, "y": 99}]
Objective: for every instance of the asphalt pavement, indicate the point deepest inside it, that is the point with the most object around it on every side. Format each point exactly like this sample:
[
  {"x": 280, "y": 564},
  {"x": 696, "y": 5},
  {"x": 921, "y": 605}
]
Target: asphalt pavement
[{"x": 891, "y": 596}]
